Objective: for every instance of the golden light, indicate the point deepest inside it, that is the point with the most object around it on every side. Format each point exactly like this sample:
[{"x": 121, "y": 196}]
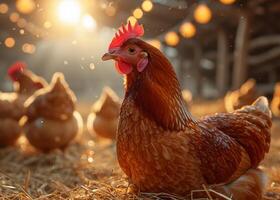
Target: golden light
[
  {"x": 138, "y": 13},
  {"x": 69, "y": 11},
  {"x": 47, "y": 24},
  {"x": 25, "y": 6},
  {"x": 14, "y": 17},
  {"x": 3, "y": 8},
  {"x": 88, "y": 22},
  {"x": 187, "y": 30},
  {"x": 172, "y": 38},
  {"x": 21, "y": 31},
  {"x": 132, "y": 20},
  {"x": 21, "y": 23},
  {"x": 147, "y": 5},
  {"x": 227, "y": 2},
  {"x": 202, "y": 14},
  {"x": 155, "y": 43},
  {"x": 110, "y": 11},
  {"x": 28, "y": 48},
  {"x": 10, "y": 42}
]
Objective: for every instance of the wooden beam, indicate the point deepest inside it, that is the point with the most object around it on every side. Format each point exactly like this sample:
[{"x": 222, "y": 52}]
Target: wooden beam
[
  {"x": 222, "y": 73},
  {"x": 240, "y": 70},
  {"x": 197, "y": 69}
]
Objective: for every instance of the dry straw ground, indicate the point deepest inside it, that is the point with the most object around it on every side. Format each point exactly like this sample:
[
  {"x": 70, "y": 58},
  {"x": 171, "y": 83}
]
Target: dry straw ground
[{"x": 88, "y": 169}]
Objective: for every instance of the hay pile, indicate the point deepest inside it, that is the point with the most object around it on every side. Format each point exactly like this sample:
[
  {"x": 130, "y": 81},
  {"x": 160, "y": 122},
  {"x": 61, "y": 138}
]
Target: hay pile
[{"x": 88, "y": 169}]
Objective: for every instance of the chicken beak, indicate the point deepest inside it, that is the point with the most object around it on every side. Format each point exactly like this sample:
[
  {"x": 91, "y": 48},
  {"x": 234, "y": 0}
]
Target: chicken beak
[{"x": 109, "y": 56}]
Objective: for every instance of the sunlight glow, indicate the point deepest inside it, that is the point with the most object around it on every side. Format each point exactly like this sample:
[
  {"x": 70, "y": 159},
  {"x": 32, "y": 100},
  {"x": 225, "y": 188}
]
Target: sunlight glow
[
  {"x": 88, "y": 22},
  {"x": 69, "y": 11}
]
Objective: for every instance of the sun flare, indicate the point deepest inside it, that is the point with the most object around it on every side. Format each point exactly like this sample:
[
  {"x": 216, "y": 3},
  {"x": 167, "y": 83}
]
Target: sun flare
[{"x": 69, "y": 11}]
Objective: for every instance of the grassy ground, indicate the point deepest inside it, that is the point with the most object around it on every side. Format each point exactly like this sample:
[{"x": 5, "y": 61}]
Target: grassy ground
[{"x": 88, "y": 169}]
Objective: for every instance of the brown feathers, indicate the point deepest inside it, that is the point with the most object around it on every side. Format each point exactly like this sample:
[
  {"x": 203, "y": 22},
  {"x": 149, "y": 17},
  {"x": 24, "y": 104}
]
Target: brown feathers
[{"x": 156, "y": 90}]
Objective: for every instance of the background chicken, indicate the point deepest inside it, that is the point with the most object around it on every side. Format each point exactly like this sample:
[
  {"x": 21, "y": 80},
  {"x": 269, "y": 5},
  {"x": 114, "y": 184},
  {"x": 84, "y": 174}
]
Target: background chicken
[
  {"x": 11, "y": 110},
  {"x": 25, "y": 81},
  {"x": 275, "y": 103},
  {"x": 105, "y": 113},
  {"x": 52, "y": 121},
  {"x": 246, "y": 95},
  {"x": 162, "y": 148}
]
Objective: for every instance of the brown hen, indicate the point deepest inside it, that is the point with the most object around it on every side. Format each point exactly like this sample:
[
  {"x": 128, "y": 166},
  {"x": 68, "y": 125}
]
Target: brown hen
[
  {"x": 11, "y": 111},
  {"x": 104, "y": 118},
  {"x": 162, "y": 148},
  {"x": 25, "y": 81},
  {"x": 52, "y": 121}
]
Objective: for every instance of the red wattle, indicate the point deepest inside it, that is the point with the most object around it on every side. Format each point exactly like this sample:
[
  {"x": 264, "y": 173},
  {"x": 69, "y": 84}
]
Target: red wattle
[{"x": 123, "y": 68}]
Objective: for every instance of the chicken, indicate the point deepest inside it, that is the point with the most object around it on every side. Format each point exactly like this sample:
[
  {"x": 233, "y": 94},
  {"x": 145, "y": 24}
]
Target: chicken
[
  {"x": 246, "y": 95},
  {"x": 275, "y": 103},
  {"x": 187, "y": 96},
  {"x": 105, "y": 113},
  {"x": 162, "y": 148},
  {"x": 52, "y": 121},
  {"x": 11, "y": 111},
  {"x": 25, "y": 82}
]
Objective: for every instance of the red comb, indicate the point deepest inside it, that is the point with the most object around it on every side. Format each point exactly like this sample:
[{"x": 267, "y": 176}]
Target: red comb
[
  {"x": 126, "y": 32},
  {"x": 14, "y": 68}
]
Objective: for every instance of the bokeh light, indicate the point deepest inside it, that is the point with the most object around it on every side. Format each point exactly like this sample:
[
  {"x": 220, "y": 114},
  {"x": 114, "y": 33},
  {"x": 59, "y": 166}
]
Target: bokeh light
[
  {"x": 202, "y": 14},
  {"x": 10, "y": 42},
  {"x": 21, "y": 31},
  {"x": 138, "y": 13},
  {"x": 172, "y": 38},
  {"x": 21, "y": 23},
  {"x": 25, "y": 6},
  {"x": 3, "y": 8},
  {"x": 227, "y": 2},
  {"x": 47, "y": 24},
  {"x": 132, "y": 20},
  {"x": 187, "y": 30},
  {"x": 155, "y": 43},
  {"x": 14, "y": 16},
  {"x": 28, "y": 48},
  {"x": 147, "y": 5},
  {"x": 69, "y": 11},
  {"x": 88, "y": 22}
]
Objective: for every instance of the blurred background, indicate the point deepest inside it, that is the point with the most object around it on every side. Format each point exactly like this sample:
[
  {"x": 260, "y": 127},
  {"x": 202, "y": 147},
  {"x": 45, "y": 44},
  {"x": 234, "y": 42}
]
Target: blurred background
[{"x": 214, "y": 45}]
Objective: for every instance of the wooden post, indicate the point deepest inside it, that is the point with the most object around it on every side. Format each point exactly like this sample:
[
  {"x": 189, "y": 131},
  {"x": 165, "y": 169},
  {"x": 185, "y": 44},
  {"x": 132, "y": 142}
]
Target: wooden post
[
  {"x": 240, "y": 69},
  {"x": 197, "y": 69},
  {"x": 181, "y": 71},
  {"x": 222, "y": 73}
]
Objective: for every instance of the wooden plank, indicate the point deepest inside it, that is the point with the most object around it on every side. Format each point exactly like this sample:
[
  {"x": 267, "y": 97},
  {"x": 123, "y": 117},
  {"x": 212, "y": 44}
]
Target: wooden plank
[
  {"x": 222, "y": 73},
  {"x": 240, "y": 70}
]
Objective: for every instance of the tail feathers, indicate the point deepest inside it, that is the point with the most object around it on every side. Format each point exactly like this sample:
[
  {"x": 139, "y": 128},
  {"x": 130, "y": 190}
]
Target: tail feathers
[
  {"x": 249, "y": 186},
  {"x": 262, "y": 105}
]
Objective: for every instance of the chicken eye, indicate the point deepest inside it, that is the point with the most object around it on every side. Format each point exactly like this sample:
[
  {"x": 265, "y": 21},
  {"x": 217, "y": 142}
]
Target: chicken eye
[{"x": 131, "y": 50}]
